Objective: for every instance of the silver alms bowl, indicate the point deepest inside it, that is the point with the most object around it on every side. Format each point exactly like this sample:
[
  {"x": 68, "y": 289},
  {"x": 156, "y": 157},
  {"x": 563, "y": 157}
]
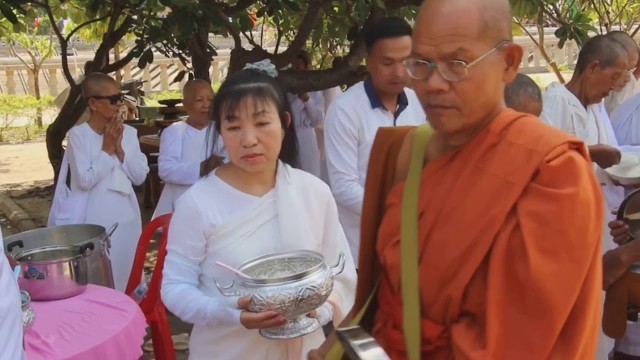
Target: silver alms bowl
[{"x": 293, "y": 283}]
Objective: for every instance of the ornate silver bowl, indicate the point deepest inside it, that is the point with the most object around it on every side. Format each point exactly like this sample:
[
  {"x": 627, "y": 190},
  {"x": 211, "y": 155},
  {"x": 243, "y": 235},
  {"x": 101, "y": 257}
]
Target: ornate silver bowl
[
  {"x": 292, "y": 283},
  {"x": 28, "y": 315}
]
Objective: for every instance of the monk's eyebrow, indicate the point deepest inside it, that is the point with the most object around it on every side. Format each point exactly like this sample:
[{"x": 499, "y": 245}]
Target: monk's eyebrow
[
  {"x": 459, "y": 52},
  {"x": 230, "y": 117},
  {"x": 260, "y": 112}
]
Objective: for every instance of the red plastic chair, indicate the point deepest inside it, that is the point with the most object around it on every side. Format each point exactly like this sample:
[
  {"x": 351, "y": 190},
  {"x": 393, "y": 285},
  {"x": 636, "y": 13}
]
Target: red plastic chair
[{"x": 152, "y": 305}]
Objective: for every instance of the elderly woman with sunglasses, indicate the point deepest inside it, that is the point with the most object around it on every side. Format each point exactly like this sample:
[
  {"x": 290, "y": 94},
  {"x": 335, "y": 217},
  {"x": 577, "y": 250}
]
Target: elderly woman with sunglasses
[{"x": 104, "y": 161}]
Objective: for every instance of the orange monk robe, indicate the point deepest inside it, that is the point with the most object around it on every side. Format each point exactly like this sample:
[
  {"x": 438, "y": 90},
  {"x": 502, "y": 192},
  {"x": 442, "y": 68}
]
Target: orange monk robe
[{"x": 509, "y": 244}]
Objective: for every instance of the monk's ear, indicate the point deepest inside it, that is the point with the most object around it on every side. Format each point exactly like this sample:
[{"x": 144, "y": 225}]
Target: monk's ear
[
  {"x": 593, "y": 66},
  {"x": 512, "y": 58}
]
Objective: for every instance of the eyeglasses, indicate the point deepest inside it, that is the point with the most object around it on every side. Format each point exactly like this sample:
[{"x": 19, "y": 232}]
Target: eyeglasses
[
  {"x": 113, "y": 99},
  {"x": 452, "y": 70}
]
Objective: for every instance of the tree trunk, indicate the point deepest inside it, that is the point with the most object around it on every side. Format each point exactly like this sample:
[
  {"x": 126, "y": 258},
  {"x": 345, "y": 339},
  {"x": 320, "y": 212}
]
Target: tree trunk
[
  {"x": 200, "y": 56},
  {"x": 116, "y": 57},
  {"x": 57, "y": 131},
  {"x": 36, "y": 87}
]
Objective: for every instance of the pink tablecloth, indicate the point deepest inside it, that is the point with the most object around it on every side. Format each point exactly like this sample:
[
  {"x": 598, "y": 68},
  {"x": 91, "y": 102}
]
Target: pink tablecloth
[{"x": 100, "y": 323}]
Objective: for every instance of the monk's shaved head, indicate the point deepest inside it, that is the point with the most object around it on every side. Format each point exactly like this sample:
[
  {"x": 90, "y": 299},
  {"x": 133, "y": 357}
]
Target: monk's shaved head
[
  {"x": 625, "y": 40},
  {"x": 94, "y": 84},
  {"x": 191, "y": 86},
  {"x": 492, "y": 18},
  {"x": 524, "y": 95},
  {"x": 467, "y": 44},
  {"x": 601, "y": 48}
]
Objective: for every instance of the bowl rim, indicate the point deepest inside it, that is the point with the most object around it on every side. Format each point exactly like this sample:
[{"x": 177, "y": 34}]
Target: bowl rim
[{"x": 283, "y": 279}]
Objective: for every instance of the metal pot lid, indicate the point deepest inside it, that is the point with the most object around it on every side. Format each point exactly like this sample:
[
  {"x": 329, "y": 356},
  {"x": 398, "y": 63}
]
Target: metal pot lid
[
  {"x": 629, "y": 212},
  {"x": 282, "y": 267}
]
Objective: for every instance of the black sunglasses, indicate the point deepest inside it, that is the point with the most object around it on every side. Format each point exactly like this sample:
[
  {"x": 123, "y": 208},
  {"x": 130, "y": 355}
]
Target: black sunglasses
[{"x": 113, "y": 99}]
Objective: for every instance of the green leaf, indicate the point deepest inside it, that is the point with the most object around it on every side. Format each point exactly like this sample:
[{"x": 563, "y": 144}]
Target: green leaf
[
  {"x": 8, "y": 13},
  {"x": 180, "y": 76}
]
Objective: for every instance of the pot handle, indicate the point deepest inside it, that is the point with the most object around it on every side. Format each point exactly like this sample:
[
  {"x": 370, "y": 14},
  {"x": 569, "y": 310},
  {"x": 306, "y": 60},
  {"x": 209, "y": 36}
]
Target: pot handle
[
  {"x": 106, "y": 243},
  {"x": 339, "y": 266},
  {"x": 13, "y": 244},
  {"x": 223, "y": 289},
  {"x": 112, "y": 229},
  {"x": 87, "y": 248}
]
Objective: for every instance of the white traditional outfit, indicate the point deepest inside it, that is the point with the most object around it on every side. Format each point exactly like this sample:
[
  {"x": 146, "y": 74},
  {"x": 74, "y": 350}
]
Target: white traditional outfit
[
  {"x": 110, "y": 197},
  {"x": 307, "y": 115},
  {"x": 626, "y": 121},
  {"x": 298, "y": 213},
  {"x": 617, "y": 98},
  {"x": 626, "y": 125},
  {"x": 10, "y": 312},
  {"x": 182, "y": 149},
  {"x": 563, "y": 110},
  {"x": 350, "y": 128}
]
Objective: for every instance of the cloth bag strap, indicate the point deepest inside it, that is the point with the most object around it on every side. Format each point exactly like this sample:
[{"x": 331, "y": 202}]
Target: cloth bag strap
[
  {"x": 409, "y": 249},
  {"x": 409, "y": 244}
]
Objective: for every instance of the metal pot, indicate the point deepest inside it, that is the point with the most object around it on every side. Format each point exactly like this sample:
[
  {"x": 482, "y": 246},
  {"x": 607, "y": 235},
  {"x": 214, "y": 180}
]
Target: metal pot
[
  {"x": 54, "y": 272},
  {"x": 99, "y": 272},
  {"x": 292, "y": 283}
]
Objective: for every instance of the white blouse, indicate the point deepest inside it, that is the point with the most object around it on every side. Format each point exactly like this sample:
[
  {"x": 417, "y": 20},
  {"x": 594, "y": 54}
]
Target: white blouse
[{"x": 299, "y": 213}]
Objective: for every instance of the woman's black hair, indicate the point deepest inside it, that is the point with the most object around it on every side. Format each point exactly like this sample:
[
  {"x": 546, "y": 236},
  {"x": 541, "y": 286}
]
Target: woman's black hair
[{"x": 255, "y": 84}]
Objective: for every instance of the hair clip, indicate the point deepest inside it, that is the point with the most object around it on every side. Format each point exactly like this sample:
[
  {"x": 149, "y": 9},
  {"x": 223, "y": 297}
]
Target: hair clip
[{"x": 264, "y": 66}]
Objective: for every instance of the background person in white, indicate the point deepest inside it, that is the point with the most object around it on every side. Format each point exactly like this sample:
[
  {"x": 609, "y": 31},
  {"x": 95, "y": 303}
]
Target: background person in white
[
  {"x": 576, "y": 108},
  {"x": 627, "y": 85},
  {"x": 307, "y": 109},
  {"x": 355, "y": 116},
  {"x": 626, "y": 123},
  {"x": 105, "y": 161},
  {"x": 183, "y": 146},
  {"x": 262, "y": 206},
  {"x": 10, "y": 312}
]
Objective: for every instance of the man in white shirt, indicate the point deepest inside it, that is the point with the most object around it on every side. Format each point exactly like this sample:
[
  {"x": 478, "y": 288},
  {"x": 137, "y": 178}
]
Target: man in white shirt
[
  {"x": 355, "y": 116},
  {"x": 10, "y": 312},
  {"x": 576, "y": 108},
  {"x": 628, "y": 84}
]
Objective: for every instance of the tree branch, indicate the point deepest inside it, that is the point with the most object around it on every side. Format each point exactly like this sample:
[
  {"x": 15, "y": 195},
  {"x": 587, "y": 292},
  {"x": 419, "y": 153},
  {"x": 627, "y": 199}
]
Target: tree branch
[
  {"x": 241, "y": 5},
  {"x": 348, "y": 71},
  {"x": 64, "y": 44},
  {"x": 86, "y": 23},
  {"x": 234, "y": 31},
  {"x": 314, "y": 12},
  {"x": 117, "y": 65}
]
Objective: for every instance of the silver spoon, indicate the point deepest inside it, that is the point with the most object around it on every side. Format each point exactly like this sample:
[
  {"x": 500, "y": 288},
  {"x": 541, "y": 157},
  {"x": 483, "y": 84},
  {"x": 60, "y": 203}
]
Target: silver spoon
[{"x": 234, "y": 270}]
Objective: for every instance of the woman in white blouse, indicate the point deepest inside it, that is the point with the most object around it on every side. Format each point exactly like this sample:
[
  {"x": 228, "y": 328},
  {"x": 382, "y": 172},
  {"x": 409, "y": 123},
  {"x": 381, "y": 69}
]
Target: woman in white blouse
[
  {"x": 183, "y": 150},
  {"x": 254, "y": 205},
  {"x": 105, "y": 160}
]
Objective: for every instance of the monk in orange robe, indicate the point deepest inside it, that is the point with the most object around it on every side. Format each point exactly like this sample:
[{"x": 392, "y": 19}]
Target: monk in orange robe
[{"x": 510, "y": 213}]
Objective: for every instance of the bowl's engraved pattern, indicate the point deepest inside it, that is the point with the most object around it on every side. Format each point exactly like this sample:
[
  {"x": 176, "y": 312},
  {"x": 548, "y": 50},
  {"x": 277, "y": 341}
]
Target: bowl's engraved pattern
[
  {"x": 293, "y": 283},
  {"x": 293, "y": 300}
]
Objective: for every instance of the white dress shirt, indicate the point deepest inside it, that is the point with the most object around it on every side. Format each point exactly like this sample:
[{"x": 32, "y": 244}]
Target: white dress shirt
[{"x": 351, "y": 125}]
